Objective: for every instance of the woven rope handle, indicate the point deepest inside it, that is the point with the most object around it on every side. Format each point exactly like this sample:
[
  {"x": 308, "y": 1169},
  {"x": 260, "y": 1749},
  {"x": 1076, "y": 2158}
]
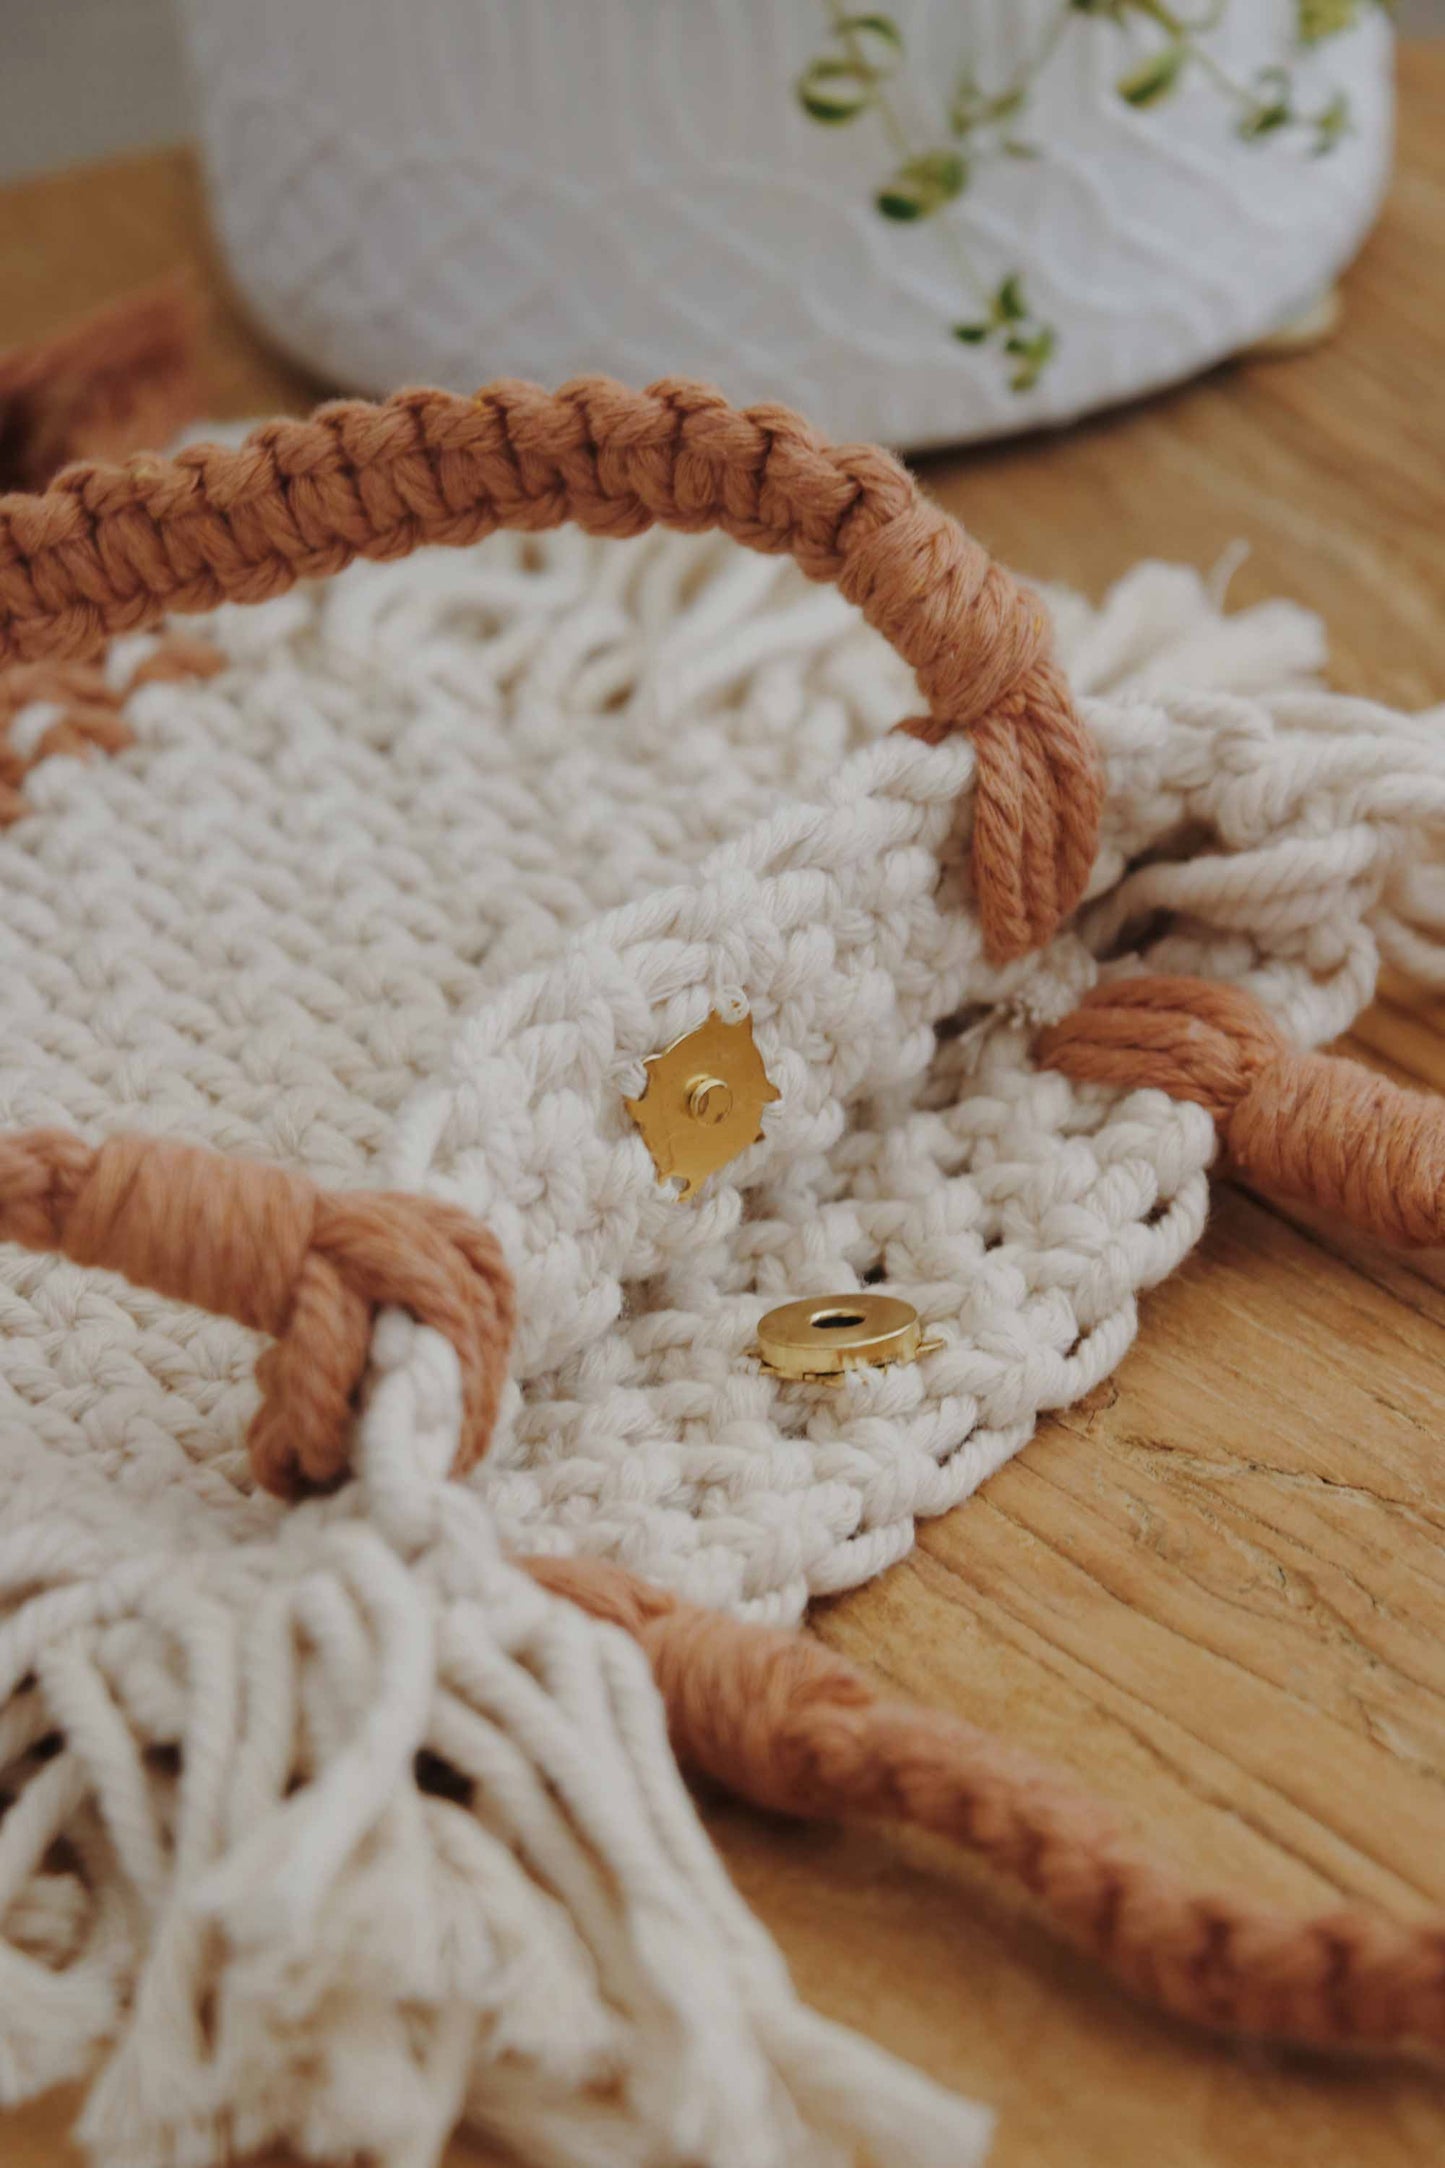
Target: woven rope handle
[
  {"x": 782, "y": 1721},
  {"x": 268, "y": 1248},
  {"x": 109, "y": 549},
  {"x": 1307, "y": 1125}
]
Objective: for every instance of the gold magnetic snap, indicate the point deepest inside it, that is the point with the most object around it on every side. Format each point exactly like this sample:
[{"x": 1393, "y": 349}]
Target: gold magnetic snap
[
  {"x": 824, "y": 1336},
  {"x": 704, "y": 1101}
]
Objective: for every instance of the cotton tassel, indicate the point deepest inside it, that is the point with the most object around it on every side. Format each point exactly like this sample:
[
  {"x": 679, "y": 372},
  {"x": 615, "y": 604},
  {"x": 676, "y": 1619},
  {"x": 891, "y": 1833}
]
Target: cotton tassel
[
  {"x": 1162, "y": 627},
  {"x": 58, "y": 1984},
  {"x": 374, "y": 1835}
]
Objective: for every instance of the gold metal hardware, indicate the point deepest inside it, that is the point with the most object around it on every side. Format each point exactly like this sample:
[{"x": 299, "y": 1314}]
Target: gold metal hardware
[
  {"x": 822, "y": 1337},
  {"x": 704, "y": 1101},
  {"x": 710, "y": 1101}
]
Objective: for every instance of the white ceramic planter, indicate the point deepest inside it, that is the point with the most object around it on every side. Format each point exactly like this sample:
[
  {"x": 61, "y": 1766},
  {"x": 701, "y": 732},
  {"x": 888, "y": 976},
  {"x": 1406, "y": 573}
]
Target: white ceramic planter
[{"x": 795, "y": 202}]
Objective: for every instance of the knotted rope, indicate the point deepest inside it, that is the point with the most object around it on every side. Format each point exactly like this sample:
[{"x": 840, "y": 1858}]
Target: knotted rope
[
  {"x": 1305, "y": 1125},
  {"x": 782, "y": 1721},
  {"x": 774, "y": 1716},
  {"x": 268, "y": 1248},
  {"x": 107, "y": 549}
]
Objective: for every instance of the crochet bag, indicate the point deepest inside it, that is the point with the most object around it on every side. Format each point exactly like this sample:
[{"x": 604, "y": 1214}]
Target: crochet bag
[{"x": 481, "y": 993}]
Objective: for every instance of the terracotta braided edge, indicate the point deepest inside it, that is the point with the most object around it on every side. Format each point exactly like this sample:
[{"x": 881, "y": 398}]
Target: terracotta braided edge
[
  {"x": 1306, "y": 1125},
  {"x": 783, "y": 1722},
  {"x": 774, "y": 1716},
  {"x": 108, "y": 549},
  {"x": 268, "y": 1248}
]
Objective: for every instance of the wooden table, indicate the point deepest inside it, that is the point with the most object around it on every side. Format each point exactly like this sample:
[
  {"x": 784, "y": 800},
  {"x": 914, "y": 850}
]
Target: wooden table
[{"x": 1216, "y": 1589}]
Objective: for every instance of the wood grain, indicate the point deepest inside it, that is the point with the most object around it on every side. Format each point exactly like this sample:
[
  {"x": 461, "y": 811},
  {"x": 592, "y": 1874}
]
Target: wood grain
[{"x": 1216, "y": 1589}]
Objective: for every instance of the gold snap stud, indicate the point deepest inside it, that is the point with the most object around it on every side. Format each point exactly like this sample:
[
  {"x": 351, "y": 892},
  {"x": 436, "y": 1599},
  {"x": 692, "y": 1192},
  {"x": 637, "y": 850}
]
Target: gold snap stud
[
  {"x": 824, "y": 1336},
  {"x": 704, "y": 1101},
  {"x": 710, "y": 1101}
]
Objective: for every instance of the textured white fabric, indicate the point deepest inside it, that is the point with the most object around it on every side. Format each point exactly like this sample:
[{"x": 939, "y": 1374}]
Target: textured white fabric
[
  {"x": 288, "y": 1936},
  {"x": 406, "y": 896}
]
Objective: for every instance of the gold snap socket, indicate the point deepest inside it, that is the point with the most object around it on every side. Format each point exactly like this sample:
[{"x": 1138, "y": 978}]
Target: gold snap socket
[
  {"x": 824, "y": 1336},
  {"x": 704, "y": 1101},
  {"x": 710, "y": 1101}
]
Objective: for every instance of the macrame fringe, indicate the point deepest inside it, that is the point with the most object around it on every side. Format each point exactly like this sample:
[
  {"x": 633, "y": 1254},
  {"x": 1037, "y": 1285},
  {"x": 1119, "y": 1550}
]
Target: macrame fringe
[
  {"x": 358, "y": 1833},
  {"x": 339, "y": 1839}
]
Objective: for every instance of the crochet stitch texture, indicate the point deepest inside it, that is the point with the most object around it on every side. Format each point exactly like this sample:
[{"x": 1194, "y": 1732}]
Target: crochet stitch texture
[
  {"x": 401, "y": 897},
  {"x": 107, "y": 548}
]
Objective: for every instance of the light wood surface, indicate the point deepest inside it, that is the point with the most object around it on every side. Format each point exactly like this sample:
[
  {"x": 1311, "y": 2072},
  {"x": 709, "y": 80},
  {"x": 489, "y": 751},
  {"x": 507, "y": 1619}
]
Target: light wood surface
[{"x": 1216, "y": 1589}]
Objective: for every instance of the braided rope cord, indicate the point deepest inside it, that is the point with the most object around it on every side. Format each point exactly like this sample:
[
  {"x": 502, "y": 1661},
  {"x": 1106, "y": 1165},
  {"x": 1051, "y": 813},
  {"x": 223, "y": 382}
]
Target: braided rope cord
[
  {"x": 782, "y": 1721},
  {"x": 265, "y": 1246},
  {"x": 774, "y": 1716},
  {"x": 1301, "y": 1124},
  {"x": 108, "y": 549}
]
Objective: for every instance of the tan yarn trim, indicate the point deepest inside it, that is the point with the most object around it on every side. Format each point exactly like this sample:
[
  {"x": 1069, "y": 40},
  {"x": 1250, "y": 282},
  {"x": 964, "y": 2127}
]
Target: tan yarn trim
[
  {"x": 774, "y": 1716},
  {"x": 123, "y": 377},
  {"x": 109, "y": 549},
  {"x": 268, "y": 1248},
  {"x": 91, "y": 717},
  {"x": 779, "y": 1720},
  {"x": 1304, "y": 1125}
]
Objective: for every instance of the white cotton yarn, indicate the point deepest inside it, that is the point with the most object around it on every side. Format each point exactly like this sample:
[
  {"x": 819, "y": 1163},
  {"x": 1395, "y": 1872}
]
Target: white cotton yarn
[
  {"x": 405, "y": 896},
  {"x": 352, "y": 1964}
]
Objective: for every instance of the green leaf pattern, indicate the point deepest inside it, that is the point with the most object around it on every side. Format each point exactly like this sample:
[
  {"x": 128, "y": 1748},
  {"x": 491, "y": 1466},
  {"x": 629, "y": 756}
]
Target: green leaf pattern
[
  {"x": 852, "y": 77},
  {"x": 923, "y": 185},
  {"x": 1153, "y": 79}
]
